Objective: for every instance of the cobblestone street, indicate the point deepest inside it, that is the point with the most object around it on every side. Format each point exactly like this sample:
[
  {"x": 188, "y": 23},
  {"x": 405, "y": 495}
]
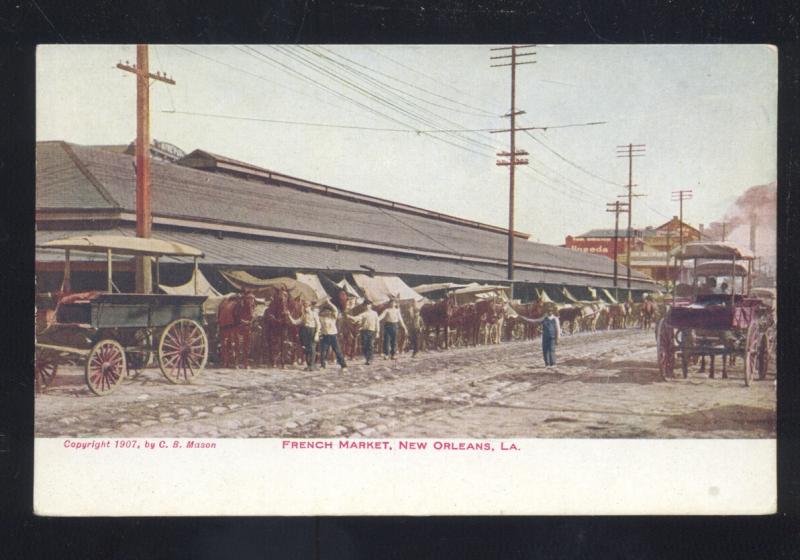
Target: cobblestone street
[{"x": 606, "y": 385}]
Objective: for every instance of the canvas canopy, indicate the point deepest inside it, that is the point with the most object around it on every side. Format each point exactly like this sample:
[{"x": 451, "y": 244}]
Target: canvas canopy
[
  {"x": 609, "y": 296},
  {"x": 313, "y": 281},
  {"x": 440, "y": 286},
  {"x": 380, "y": 289},
  {"x": 719, "y": 268},
  {"x": 711, "y": 250},
  {"x": 204, "y": 287},
  {"x": 266, "y": 287},
  {"x": 124, "y": 246}
]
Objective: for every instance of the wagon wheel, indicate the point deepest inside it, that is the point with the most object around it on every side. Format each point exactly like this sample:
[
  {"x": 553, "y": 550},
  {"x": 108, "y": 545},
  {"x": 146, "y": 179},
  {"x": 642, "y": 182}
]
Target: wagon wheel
[
  {"x": 105, "y": 367},
  {"x": 182, "y": 351},
  {"x": 140, "y": 359},
  {"x": 666, "y": 350},
  {"x": 757, "y": 357},
  {"x": 45, "y": 368}
]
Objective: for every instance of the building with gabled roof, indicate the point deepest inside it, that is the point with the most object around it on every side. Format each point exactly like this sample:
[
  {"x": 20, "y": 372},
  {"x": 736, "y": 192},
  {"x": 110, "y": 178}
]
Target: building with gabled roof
[{"x": 248, "y": 217}]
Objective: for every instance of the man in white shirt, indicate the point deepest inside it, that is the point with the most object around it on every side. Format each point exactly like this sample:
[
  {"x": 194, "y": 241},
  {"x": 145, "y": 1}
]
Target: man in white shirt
[
  {"x": 309, "y": 331},
  {"x": 368, "y": 325},
  {"x": 329, "y": 339},
  {"x": 392, "y": 318}
]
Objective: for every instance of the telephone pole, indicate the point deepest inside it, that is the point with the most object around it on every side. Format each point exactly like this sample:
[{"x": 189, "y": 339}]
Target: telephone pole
[
  {"x": 512, "y": 154},
  {"x": 680, "y": 196},
  {"x": 144, "y": 283},
  {"x": 617, "y": 208},
  {"x": 630, "y": 151}
]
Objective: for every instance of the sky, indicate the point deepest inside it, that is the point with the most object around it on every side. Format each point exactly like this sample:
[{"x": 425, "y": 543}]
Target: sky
[{"x": 706, "y": 113}]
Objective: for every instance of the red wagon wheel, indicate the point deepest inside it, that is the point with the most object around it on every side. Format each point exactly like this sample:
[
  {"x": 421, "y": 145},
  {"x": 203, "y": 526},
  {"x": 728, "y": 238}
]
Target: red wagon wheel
[
  {"x": 105, "y": 367},
  {"x": 666, "y": 350},
  {"x": 45, "y": 368},
  {"x": 757, "y": 357},
  {"x": 182, "y": 351}
]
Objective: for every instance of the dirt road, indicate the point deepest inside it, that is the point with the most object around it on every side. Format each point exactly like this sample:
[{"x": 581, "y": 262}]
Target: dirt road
[{"x": 606, "y": 385}]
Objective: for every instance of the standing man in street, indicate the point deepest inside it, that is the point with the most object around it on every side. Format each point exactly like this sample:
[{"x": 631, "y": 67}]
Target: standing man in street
[
  {"x": 368, "y": 326},
  {"x": 393, "y": 318},
  {"x": 327, "y": 318},
  {"x": 551, "y": 335},
  {"x": 309, "y": 331}
]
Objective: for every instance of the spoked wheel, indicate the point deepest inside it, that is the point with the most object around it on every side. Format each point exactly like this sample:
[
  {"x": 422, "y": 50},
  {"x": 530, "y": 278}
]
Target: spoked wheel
[
  {"x": 666, "y": 350},
  {"x": 105, "y": 367},
  {"x": 45, "y": 368},
  {"x": 182, "y": 351},
  {"x": 757, "y": 358},
  {"x": 139, "y": 359}
]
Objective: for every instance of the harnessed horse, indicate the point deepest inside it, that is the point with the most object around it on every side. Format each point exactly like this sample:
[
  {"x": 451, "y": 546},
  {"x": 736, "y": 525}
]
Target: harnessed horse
[{"x": 234, "y": 320}]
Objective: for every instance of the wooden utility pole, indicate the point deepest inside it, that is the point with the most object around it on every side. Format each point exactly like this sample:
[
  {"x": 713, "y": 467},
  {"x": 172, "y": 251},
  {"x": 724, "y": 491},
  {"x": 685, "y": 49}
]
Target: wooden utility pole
[
  {"x": 630, "y": 151},
  {"x": 680, "y": 196},
  {"x": 617, "y": 208},
  {"x": 669, "y": 250},
  {"x": 144, "y": 220},
  {"x": 512, "y": 154}
]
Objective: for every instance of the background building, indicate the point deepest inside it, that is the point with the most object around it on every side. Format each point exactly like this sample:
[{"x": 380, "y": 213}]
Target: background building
[{"x": 649, "y": 247}]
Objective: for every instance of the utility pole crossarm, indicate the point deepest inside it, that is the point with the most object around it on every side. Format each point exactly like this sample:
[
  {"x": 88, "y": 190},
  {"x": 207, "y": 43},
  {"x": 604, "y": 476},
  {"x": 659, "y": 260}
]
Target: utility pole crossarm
[{"x": 157, "y": 76}]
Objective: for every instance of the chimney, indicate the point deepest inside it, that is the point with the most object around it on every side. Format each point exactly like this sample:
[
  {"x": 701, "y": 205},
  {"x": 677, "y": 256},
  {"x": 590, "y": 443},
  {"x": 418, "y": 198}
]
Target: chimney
[{"x": 753, "y": 236}]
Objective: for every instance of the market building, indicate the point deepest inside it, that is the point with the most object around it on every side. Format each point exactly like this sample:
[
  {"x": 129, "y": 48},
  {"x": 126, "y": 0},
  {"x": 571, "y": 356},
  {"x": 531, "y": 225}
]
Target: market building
[{"x": 245, "y": 217}]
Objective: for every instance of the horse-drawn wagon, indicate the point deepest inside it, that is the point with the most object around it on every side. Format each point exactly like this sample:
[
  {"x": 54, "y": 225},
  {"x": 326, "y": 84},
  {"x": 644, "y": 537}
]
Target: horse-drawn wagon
[
  {"x": 117, "y": 334},
  {"x": 705, "y": 321}
]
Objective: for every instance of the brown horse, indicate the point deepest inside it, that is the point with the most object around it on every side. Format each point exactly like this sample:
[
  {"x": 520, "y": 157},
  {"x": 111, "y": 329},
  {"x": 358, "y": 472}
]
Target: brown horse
[
  {"x": 438, "y": 316},
  {"x": 534, "y": 310},
  {"x": 648, "y": 313},
  {"x": 491, "y": 314},
  {"x": 279, "y": 335},
  {"x": 569, "y": 315},
  {"x": 234, "y": 320}
]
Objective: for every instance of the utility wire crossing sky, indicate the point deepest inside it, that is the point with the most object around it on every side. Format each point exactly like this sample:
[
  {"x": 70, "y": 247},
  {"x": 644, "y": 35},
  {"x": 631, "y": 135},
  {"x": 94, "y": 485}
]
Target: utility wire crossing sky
[{"x": 414, "y": 123}]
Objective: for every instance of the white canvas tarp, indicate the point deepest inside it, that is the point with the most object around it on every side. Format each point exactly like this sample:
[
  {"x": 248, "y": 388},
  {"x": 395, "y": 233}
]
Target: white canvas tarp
[
  {"x": 204, "y": 288},
  {"x": 313, "y": 281},
  {"x": 380, "y": 289}
]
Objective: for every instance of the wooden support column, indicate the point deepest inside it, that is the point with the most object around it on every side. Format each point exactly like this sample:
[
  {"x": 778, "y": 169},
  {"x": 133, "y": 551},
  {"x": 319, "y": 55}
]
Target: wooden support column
[
  {"x": 110, "y": 272},
  {"x": 66, "y": 285}
]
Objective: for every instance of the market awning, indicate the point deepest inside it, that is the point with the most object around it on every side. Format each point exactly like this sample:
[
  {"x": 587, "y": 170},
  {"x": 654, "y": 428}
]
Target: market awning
[
  {"x": 122, "y": 245},
  {"x": 380, "y": 289},
  {"x": 266, "y": 287}
]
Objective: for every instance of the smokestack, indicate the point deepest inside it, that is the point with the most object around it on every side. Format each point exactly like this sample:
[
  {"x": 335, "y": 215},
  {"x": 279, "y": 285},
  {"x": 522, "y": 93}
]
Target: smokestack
[{"x": 753, "y": 236}]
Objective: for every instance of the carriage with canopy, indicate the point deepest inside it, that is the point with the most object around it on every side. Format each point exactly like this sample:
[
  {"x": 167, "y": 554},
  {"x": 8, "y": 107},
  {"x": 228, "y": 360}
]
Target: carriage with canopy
[
  {"x": 704, "y": 321},
  {"x": 118, "y": 334}
]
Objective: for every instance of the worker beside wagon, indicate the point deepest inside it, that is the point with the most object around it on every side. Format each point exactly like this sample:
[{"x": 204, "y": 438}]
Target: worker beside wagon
[
  {"x": 330, "y": 334},
  {"x": 309, "y": 331},
  {"x": 551, "y": 335},
  {"x": 393, "y": 319},
  {"x": 368, "y": 326}
]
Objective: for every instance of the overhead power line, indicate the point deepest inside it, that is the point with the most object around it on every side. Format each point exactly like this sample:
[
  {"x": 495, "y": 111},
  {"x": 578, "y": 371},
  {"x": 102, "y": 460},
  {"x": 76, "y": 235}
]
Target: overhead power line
[{"x": 325, "y": 125}]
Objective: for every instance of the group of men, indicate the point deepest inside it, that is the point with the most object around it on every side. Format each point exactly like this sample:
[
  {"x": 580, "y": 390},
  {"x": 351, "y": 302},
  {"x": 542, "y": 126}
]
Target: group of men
[{"x": 318, "y": 324}]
